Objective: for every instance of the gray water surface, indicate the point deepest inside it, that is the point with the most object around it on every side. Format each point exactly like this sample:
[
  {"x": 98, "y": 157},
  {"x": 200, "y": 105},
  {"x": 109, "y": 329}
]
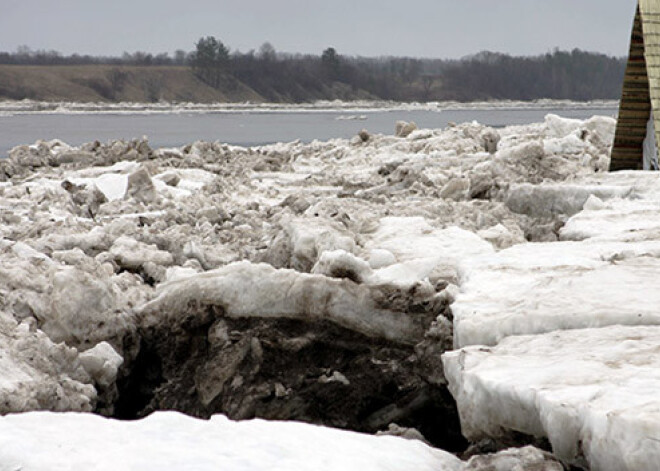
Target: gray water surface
[{"x": 248, "y": 128}]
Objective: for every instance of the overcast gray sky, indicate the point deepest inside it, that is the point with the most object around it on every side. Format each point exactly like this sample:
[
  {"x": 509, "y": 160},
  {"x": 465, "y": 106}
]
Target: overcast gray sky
[{"x": 421, "y": 28}]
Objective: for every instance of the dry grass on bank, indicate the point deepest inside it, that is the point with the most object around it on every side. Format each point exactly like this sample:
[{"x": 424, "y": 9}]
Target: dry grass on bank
[{"x": 115, "y": 83}]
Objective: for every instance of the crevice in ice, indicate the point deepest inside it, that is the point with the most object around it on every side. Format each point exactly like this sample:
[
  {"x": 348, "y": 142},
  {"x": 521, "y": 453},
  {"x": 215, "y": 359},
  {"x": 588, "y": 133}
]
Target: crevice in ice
[
  {"x": 282, "y": 369},
  {"x": 146, "y": 277},
  {"x": 137, "y": 387}
]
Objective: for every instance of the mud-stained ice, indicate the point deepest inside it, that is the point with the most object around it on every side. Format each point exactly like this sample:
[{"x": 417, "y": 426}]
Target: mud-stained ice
[
  {"x": 244, "y": 290},
  {"x": 39, "y": 374}
]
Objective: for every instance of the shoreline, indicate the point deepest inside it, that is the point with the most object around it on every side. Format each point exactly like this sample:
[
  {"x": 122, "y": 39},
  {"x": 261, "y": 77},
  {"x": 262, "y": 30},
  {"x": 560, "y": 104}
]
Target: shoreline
[{"x": 9, "y": 108}]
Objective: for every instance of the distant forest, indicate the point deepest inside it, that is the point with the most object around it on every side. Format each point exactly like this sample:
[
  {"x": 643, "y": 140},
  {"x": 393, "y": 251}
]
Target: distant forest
[{"x": 282, "y": 77}]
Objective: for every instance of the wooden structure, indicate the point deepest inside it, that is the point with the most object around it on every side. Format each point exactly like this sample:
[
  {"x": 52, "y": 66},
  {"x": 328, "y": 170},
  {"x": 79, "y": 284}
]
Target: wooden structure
[{"x": 641, "y": 89}]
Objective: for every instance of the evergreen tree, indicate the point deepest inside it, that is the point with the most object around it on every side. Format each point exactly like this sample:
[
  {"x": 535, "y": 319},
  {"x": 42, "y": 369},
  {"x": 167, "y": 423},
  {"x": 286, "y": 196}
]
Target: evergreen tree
[
  {"x": 210, "y": 61},
  {"x": 330, "y": 63}
]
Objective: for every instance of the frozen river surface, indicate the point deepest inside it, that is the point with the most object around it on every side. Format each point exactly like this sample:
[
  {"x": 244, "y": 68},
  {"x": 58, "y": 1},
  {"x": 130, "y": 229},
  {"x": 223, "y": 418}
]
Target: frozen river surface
[{"x": 248, "y": 128}]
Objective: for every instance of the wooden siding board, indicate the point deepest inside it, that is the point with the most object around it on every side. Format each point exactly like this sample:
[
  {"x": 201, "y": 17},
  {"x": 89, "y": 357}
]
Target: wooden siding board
[
  {"x": 641, "y": 88},
  {"x": 650, "y": 17}
]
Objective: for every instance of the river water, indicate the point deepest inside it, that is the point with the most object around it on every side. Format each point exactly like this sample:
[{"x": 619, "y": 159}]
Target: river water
[{"x": 250, "y": 128}]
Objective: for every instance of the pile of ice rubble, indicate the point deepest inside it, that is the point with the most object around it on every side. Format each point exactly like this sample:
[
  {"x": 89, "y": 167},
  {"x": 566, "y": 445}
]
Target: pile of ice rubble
[{"x": 313, "y": 282}]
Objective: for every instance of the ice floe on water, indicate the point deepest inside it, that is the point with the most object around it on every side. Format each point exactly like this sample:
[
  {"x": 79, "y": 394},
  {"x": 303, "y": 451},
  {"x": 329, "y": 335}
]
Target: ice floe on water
[
  {"x": 8, "y": 108},
  {"x": 322, "y": 283}
]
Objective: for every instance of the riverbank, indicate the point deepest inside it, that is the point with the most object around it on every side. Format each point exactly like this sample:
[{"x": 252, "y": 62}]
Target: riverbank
[
  {"x": 15, "y": 107},
  {"x": 107, "y": 83}
]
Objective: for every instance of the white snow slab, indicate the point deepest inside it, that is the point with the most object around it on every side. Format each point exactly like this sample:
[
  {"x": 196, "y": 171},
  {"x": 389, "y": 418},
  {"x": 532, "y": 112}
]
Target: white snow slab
[
  {"x": 123, "y": 166},
  {"x": 538, "y": 288},
  {"x": 608, "y": 277},
  {"x": 191, "y": 180},
  {"x": 618, "y": 220},
  {"x": 593, "y": 393},
  {"x": 637, "y": 217},
  {"x": 112, "y": 185},
  {"x": 410, "y": 238},
  {"x": 419, "y": 248},
  {"x": 112, "y": 181},
  {"x": 172, "y": 441}
]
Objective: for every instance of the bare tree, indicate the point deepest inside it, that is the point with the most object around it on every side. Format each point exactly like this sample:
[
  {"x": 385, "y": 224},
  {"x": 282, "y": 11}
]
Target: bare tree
[
  {"x": 267, "y": 52},
  {"x": 117, "y": 79},
  {"x": 428, "y": 82},
  {"x": 180, "y": 57},
  {"x": 153, "y": 86}
]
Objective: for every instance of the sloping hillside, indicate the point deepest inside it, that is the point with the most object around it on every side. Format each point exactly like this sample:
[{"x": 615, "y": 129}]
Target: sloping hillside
[{"x": 115, "y": 83}]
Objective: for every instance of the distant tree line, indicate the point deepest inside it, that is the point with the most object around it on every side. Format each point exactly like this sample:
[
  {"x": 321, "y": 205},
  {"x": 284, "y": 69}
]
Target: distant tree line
[
  {"x": 576, "y": 75},
  {"x": 26, "y": 56}
]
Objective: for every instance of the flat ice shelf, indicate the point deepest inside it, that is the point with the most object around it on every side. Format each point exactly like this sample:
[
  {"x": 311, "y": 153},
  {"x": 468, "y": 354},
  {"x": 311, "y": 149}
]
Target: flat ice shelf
[
  {"x": 41, "y": 441},
  {"x": 592, "y": 392}
]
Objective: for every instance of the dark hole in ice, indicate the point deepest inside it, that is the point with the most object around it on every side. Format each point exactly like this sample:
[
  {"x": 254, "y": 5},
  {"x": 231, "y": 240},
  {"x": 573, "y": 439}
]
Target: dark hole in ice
[
  {"x": 312, "y": 372},
  {"x": 342, "y": 272},
  {"x": 137, "y": 389},
  {"x": 141, "y": 273}
]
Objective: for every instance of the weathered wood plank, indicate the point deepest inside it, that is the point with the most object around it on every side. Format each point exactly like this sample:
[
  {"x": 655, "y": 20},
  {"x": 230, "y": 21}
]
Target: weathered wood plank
[{"x": 641, "y": 88}]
